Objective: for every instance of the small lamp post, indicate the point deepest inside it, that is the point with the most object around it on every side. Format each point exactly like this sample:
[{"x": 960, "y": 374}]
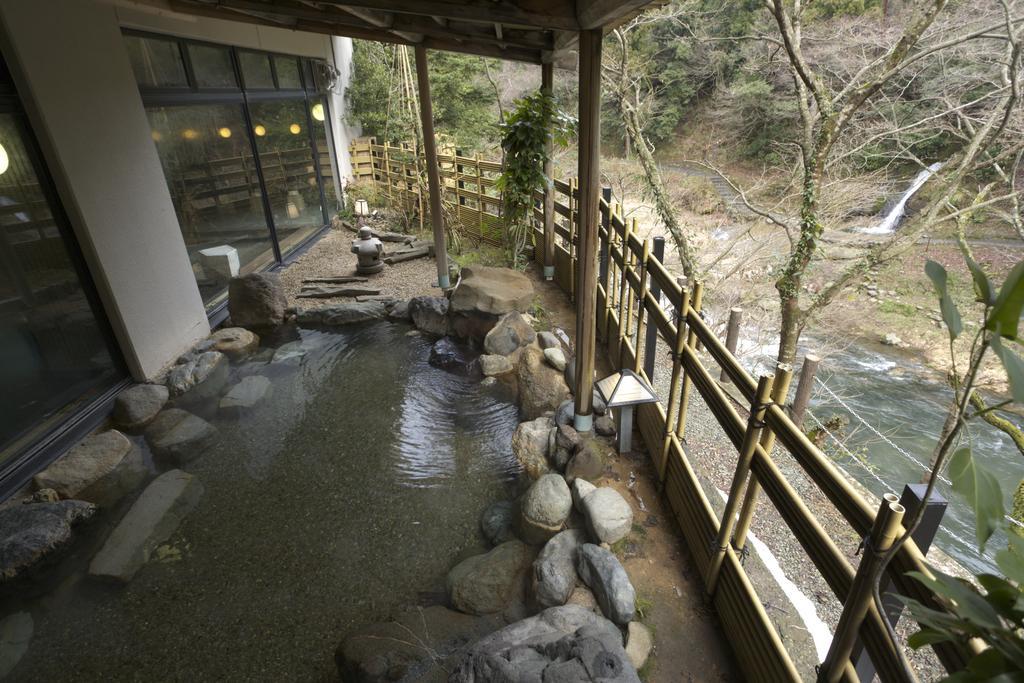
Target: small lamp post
[
  {"x": 622, "y": 391},
  {"x": 362, "y": 211}
]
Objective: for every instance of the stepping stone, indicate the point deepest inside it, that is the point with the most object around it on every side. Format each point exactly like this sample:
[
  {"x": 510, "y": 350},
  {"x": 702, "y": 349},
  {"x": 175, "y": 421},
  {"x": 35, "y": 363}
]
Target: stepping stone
[
  {"x": 91, "y": 460},
  {"x": 179, "y": 436},
  {"x": 245, "y": 395},
  {"x": 151, "y": 520},
  {"x": 235, "y": 342},
  {"x": 32, "y": 532},
  {"x": 136, "y": 406}
]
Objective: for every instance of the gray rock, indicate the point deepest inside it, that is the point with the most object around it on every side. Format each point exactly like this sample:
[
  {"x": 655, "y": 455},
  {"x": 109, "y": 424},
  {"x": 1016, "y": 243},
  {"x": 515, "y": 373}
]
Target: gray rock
[
  {"x": 209, "y": 369},
  {"x": 554, "y": 570},
  {"x": 152, "y": 519},
  {"x": 179, "y": 436},
  {"x": 511, "y": 333},
  {"x": 235, "y": 342},
  {"x": 257, "y": 300},
  {"x": 495, "y": 366},
  {"x": 561, "y": 644},
  {"x": 136, "y": 406},
  {"x": 638, "y": 644},
  {"x": 544, "y": 508},
  {"x": 580, "y": 488},
  {"x": 400, "y": 311},
  {"x": 292, "y": 352},
  {"x": 15, "y": 635},
  {"x": 565, "y": 413},
  {"x": 567, "y": 438},
  {"x": 530, "y": 446},
  {"x": 556, "y": 358},
  {"x": 497, "y": 521},
  {"x": 33, "y": 533},
  {"x": 485, "y": 584},
  {"x": 347, "y": 313},
  {"x": 246, "y": 395},
  {"x": 430, "y": 314},
  {"x": 589, "y": 460},
  {"x": 541, "y": 387},
  {"x": 584, "y": 597},
  {"x": 604, "y": 575},
  {"x": 450, "y": 355},
  {"x": 609, "y": 517},
  {"x": 84, "y": 465},
  {"x": 548, "y": 340},
  {"x": 416, "y": 646},
  {"x": 604, "y": 426},
  {"x": 492, "y": 291}
]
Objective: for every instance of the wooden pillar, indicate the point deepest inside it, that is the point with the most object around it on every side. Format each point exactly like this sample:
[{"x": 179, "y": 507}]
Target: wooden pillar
[
  {"x": 433, "y": 172},
  {"x": 547, "y": 79},
  {"x": 589, "y": 187}
]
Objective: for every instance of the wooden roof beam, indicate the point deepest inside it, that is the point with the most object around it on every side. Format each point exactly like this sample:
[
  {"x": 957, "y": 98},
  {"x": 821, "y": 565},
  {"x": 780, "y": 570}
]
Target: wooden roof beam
[
  {"x": 543, "y": 14},
  {"x": 608, "y": 13}
]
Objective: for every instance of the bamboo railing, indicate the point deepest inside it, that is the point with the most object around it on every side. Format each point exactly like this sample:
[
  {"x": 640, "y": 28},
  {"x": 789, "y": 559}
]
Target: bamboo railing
[{"x": 626, "y": 307}]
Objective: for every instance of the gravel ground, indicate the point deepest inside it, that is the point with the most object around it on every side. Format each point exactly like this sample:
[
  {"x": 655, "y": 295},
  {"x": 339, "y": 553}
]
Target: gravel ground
[{"x": 331, "y": 257}]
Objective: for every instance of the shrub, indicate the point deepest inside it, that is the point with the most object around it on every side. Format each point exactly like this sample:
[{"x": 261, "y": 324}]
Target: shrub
[{"x": 698, "y": 194}]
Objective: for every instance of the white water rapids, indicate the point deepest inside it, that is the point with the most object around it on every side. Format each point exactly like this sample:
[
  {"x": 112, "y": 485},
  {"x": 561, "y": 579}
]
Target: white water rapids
[{"x": 892, "y": 219}]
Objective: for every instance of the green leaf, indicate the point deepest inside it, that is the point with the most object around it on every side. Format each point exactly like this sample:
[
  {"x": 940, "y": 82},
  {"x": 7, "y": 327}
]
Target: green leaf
[
  {"x": 982, "y": 285},
  {"x": 927, "y": 636},
  {"x": 970, "y": 604},
  {"x": 981, "y": 490},
  {"x": 940, "y": 280},
  {"x": 1005, "y": 314},
  {"x": 1014, "y": 367}
]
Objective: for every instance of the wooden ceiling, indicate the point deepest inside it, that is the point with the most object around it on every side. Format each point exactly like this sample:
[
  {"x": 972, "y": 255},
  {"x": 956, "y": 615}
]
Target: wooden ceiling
[{"x": 536, "y": 31}]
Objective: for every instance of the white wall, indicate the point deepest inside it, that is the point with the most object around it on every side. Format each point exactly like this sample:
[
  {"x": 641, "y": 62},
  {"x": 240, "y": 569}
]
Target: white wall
[
  {"x": 343, "y": 133},
  {"x": 73, "y": 75}
]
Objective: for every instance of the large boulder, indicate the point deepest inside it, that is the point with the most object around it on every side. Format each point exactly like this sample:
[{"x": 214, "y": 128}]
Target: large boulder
[
  {"x": 347, "y": 313},
  {"x": 235, "y": 342},
  {"x": 136, "y": 406},
  {"x": 153, "y": 517},
  {"x": 589, "y": 460},
  {"x": 497, "y": 522},
  {"x": 484, "y": 295},
  {"x": 257, "y": 301},
  {"x": 33, "y": 533},
  {"x": 511, "y": 333},
  {"x": 554, "y": 570},
  {"x": 206, "y": 374},
  {"x": 246, "y": 395},
  {"x": 530, "y": 443},
  {"x": 415, "y": 646},
  {"x": 581, "y": 488},
  {"x": 567, "y": 643},
  {"x": 609, "y": 517},
  {"x": 495, "y": 366},
  {"x": 544, "y": 508},
  {"x": 485, "y": 584},
  {"x": 430, "y": 314},
  {"x": 78, "y": 470},
  {"x": 541, "y": 387},
  {"x": 604, "y": 575},
  {"x": 178, "y": 436}
]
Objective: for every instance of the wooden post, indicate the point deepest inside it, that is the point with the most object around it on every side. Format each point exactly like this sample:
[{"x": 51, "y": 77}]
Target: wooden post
[
  {"x": 433, "y": 171},
  {"x": 804, "y": 389},
  {"x": 673, "y": 392},
  {"x": 623, "y": 302},
  {"x": 858, "y": 600},
  {"x": 589, "y": 177},
  {"x": 547, "y": 80},
  {"x": 479, "y": 197},
  {"x": 755, "y": 423},
  {"x": 732, "y": 335},
  {"x": 641, "y": 309},
  {"x": 651, "y": 340}
]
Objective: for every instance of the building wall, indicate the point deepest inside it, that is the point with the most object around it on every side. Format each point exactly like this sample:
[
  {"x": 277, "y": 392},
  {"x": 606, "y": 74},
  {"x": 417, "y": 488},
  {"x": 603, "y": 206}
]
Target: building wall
[{"x": 73, "y": 73}]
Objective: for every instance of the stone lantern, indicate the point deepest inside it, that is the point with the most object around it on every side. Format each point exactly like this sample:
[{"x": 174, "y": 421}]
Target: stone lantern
[{"x": 368, "y": 249}]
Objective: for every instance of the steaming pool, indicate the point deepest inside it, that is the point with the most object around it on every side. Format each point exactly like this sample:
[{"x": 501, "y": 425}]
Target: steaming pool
[{"x": 348, "y": 493}]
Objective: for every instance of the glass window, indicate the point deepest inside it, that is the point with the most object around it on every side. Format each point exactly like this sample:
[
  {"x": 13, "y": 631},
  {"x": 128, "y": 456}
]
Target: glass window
[
  {"x": 319, "y": 112},
  {"x": 255, "y": 69},
  {"x": 56, "y": 351},
  {"x": 211, "y": 173},
  {"x": 289, "y": 169},
  {"x": 212, "y": 66},
  {"x": 157, "y": 63},
  {"x": 287, "y": 73}
]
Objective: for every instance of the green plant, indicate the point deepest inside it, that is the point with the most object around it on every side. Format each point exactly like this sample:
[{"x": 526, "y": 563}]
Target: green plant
[
  {"x": 524, "y": 137},
  {"x": 699, "y": 195},
  {"x": 897, "y": 307}
]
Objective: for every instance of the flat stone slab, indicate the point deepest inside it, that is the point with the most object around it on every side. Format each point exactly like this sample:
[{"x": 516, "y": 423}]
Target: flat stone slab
[
  {"x": 246, "y": 395},
  {"x": 179, "y": 436},
  {"x": 343, "y": 314},
  {"x": 136, "y": 406},
  {"x": 91, "y": 460},
  {"x": 151, "y": 520},
  {"x": 31, "y": 533},
  {"x": 235, "y": 342},
  {"x": 493, "y": 291}
]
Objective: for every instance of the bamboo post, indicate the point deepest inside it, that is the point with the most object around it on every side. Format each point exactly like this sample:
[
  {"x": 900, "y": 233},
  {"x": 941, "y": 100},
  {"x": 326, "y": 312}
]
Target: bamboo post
[
  {"x": 732, "y": 335},
  {"x": 589, "y": 186},
  {"x": 673, "y": 402},
  {"x": 804, "y": 389},
  {"x": 479, "y": 197},
  {"x": 387, "y": 172},
  {"x": 623, "y": 302},
  {"x": 547, "y": 79},
  {"x": 858, "y": 600},
  {"x": 630, "y": 298},
  {"x": 573, "y": 218},
  {"x": 783, "y": 377},
  {"x": 755, "y": 424},
  {"x": 651, "y": 338},
  {"x": 637, "y": 358},
  {"x": 603, "y": 265},
  {"x": 433, "y": 172},
  {"x": 696, "y": 300}
]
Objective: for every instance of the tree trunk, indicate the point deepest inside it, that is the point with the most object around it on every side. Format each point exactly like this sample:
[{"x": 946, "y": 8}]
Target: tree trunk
[{"x": 792, "y": 321}]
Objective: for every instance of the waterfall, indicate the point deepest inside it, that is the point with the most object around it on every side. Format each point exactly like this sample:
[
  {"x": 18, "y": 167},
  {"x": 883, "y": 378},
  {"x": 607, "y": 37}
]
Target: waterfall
[{"x": 892, "y": 219}]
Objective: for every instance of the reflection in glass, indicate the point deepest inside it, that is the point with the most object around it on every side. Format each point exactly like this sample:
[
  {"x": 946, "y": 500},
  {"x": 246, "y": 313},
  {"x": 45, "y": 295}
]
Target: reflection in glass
[
  {"x": 318, "y": 112},
  {"x": 255, "y": 69},
  {"x": 287, "y": 73},
  {"x": 212, "y": 177},
  {"x": 156, "y": 62},
  {"x": 289, "y": 170},
  {"x": 55, "y": 353},
  {"x": 212, "y": 66}
]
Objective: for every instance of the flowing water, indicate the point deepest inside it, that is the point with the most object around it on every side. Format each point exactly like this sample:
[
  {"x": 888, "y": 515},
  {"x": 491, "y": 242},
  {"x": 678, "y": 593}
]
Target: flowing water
[
  {"x": 895, "y": 215},
  {"x": 347, "y": 494}
]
